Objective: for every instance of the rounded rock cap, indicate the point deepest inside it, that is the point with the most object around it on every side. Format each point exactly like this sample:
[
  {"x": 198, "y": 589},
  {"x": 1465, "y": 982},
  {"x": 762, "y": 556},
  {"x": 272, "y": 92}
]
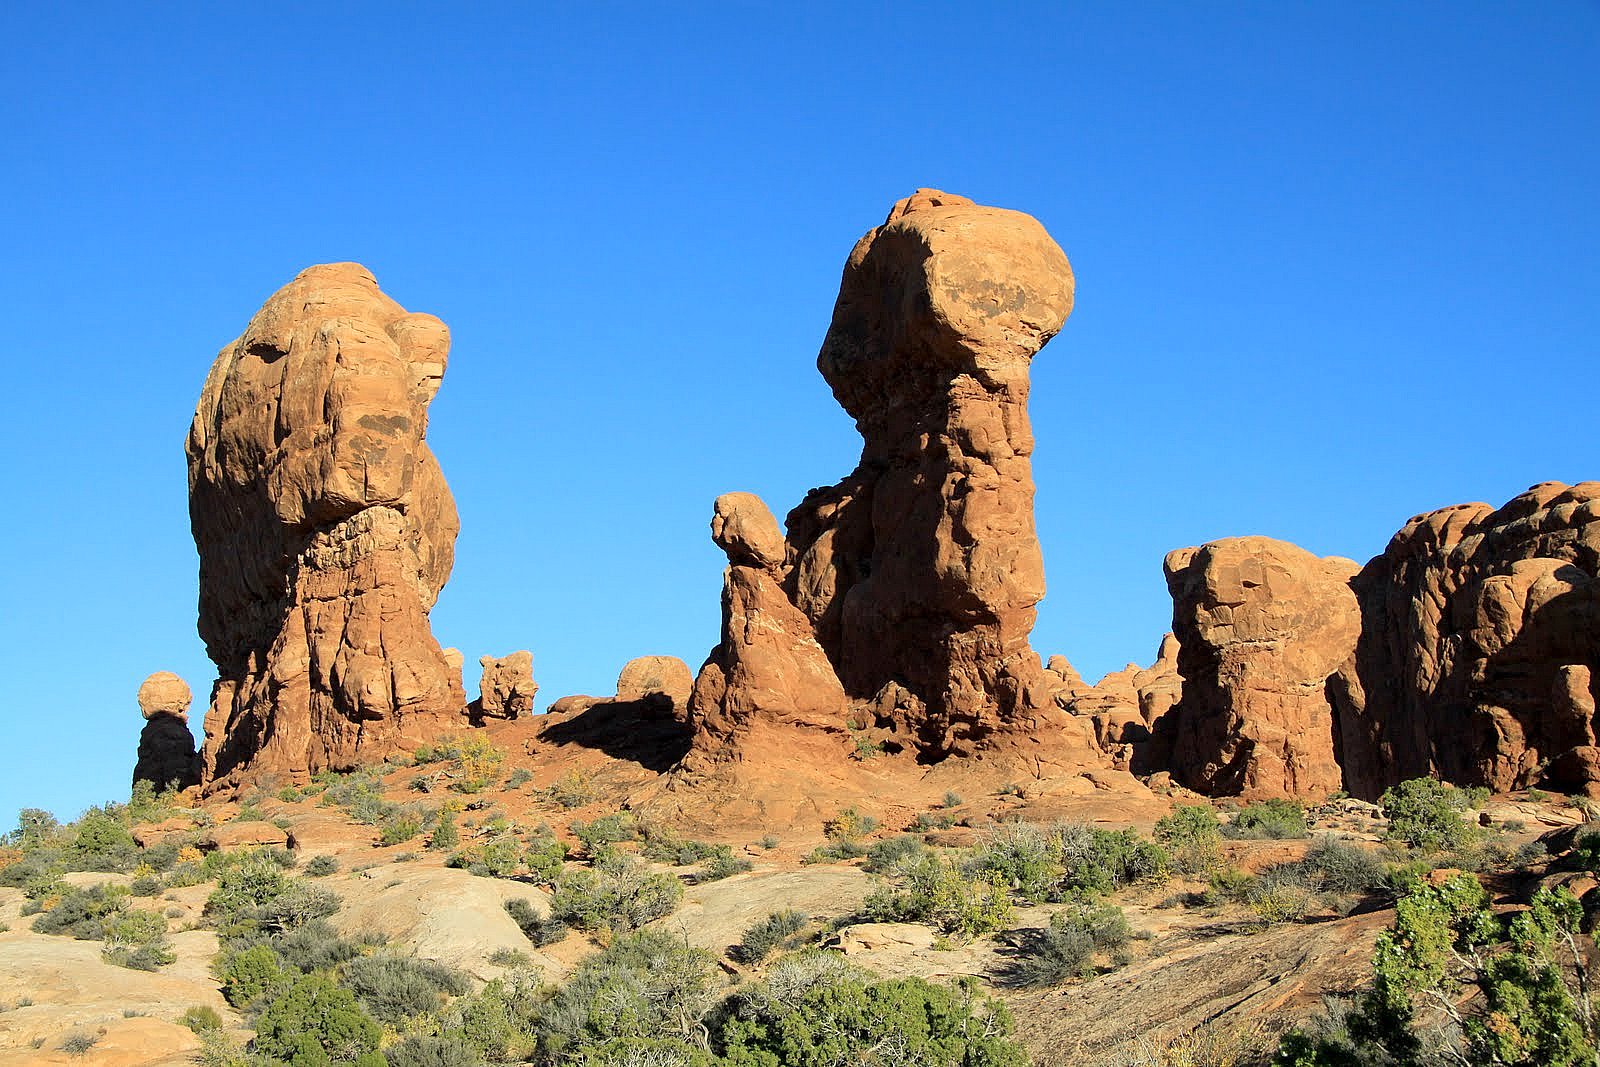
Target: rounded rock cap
[{"x": 164, "y": 693}]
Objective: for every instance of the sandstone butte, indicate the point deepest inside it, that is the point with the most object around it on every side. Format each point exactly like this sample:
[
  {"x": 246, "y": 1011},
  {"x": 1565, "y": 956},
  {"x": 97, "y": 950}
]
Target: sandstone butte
[
  {"x": 325, "y": 531},
  {"x": 895, "y": 605}
]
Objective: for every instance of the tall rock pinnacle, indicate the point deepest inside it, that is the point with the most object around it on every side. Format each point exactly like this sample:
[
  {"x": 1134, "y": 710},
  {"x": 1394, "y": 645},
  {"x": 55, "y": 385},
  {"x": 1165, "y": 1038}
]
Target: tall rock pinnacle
[{"x": 325, "y": 531}]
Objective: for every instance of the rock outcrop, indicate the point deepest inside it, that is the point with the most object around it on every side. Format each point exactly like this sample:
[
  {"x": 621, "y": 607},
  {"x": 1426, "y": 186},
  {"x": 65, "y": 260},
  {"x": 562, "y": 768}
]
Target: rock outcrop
[
  {"x": 1261, "y": 626},
  {"x": 914, "y": 580},
  {"x": 768, "y": 663},
  {"x": 1126, "y": 707},
  {"x": 167, "y": 757},
  {"x": 325, "y": 531},
  {"x": 506, "y": 689},
  {"x": 661, "y": 682},
  {"x": 1480, "y": 647}
]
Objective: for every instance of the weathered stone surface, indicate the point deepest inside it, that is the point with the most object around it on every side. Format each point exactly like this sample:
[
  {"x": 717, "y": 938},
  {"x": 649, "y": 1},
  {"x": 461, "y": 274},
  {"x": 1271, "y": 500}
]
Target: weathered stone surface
[
  {"x": 507, "y": 688},
  {"x": 1479, "y": 649},
  {"x": 1261, "y": 626},
  {"x": 167, "y": 757},
  {"x": 1125, "y": 707},
  {"x": 922, "y": 568},
  {"x": 663, "y": 682},
  {"x": 325, "y": 531},
  {"x": 768, "y": 663}
]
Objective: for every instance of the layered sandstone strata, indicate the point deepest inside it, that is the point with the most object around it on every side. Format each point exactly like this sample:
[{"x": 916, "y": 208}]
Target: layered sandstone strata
[{"x": 325, "y": 531}]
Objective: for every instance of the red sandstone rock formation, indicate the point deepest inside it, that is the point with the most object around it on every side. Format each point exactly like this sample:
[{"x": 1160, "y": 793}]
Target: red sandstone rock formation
[
  {"x": 1261, "y": 626},
  {"x": 167, "y": 758},
  {"x": 920, "y": 571},
  {"x": 325, "y": 532},
  {"x": 661, "y": 682},
  {"x": 506, "y": 689},
  {"x": 1126, "y": 707},
  {"x": 768, "y": 663},
  {"x": 1479, "y": 648}
]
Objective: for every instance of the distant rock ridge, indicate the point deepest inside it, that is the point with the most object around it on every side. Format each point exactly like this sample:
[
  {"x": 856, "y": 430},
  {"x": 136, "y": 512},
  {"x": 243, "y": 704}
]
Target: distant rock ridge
[
  {"x": 325, "y": 531},
  {"x": 1467, "y": 650},
  {"x": 910, "y": 586}
]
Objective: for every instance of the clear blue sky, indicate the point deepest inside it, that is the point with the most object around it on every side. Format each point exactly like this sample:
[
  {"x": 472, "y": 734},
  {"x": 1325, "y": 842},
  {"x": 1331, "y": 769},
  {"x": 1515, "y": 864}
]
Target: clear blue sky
[{"x": 1337, "y": 264}]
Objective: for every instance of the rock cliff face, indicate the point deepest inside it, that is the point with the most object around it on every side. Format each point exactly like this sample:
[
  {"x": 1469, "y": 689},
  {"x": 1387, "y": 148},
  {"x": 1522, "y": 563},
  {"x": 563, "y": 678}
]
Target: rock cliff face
[
  {"x": 325, "y": 531},
  {"x": 921, "y": 569},
  {"x": 167, "y": 758},
  {"x": 1261, "y": 626},
  {"x": 1479, "y": 648},
  {"x": 1467, "y": 650}
]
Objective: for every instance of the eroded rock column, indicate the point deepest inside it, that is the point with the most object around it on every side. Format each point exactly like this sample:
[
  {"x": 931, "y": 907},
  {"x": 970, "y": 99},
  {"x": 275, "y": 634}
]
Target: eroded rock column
[{"x": 325, "y": 531}]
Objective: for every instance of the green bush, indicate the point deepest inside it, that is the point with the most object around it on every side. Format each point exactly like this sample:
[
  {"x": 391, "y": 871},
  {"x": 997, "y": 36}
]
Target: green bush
[
  {"x": 1191, "y": 835},
  {"x": 668, "y": 848},
  {"x": 606, "y": 830},
  {"x": 619, "y": 894},
  {"x": 1070, "y": 946},
  {"x": 937, "y": 891},
  {"x": 316, "y": 946},
  {"x": 83, "y": 914},
  {"x": 314, "y": 1021},
  {"x": 828, "y": 1018},
  {"x": 761, "y": 939},
  {"x": 401, "y": 826},
  {"x": 200, "y": 1018},
  {"x": 447, "y": 1050},
  {"x": 883, "y": 856},
  {"x": 1333, "y": 866},
  {"x": 1426, "y": 814},
  {"x": 102, "y": 843},
  {"x": 249, "y": 975},
  {"x": 1275, "y": 818},
  {"x": 137, "y": 940},
  {"x": 322, "y": 866},
  {"x": 722, "y": 863},
  {"x": 394, "y": 988},
  {"x": 444, "y": 835},
  {"x": 646, "y": 985},
  {"x": 78, "y": 1043},
  {"x": 518, "y": 778},
  {"x": 541, "y": 930}
]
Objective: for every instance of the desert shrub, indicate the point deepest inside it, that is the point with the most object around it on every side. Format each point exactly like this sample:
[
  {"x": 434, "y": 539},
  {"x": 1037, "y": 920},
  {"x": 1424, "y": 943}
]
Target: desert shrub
[
  {"x": 932, "y": 820},
  {"x": 399, "y": 827},
  {"x": 620, "y": 893},
  {"x": 322, "y": 866},
  {"x": 79, "y": 1042},
  {"x": 937, "y": 891},
  {"x": 446, "y": 1050},
  {"x": 249, "y": 975},
  {"x": 952, "y": 800},
  {"x": 768, "y": 841},
  {"x": 147, "y": 885},
  {"x": 510, "y": 957},
  {"x": 847, "y": 1018},
  {"x": 1071, "y": 946},
  {"x": 572, "y": 790},
  {"x": 1279, "y": 897},
  {"x": 314, "y": 1021},
  {"x": 606, "y": 830},
  {"x": 1021, "y": 856},
  {"x": 542, "y": 930},
  {"x": 883, "y": 855},
  {"x": 84, "y": 913},
  {"x": 1532, "y": 1007},
  {"x": 1100, "y": 861},
  {"x": 1275, "y": 818},
  {"x": 499, "y": 1020},
  {"x": 835, "y": 851},
  {"x": 101, "y": 843},
  {"x": 201, "y": 1017},
  {"x": 317, "y": 946},
  {"x": 360, "y": 796},
  {"x": 644, "y": 1052},
  {"x": 1585, "y": 854},
  {"x": 849, "y": 825},
  {"x": 474, "y": 762},
  {"x": 1191, "y": 835},
  {"x": 1426, "y": 814},
  {"x": 444, "y": 834},
  {"x": 646, "y": 985},
  {"x": 394, "y": 988},
  {"x": 518, "y": 778},
  {"x": 138, "y": 940},
  {"x": 499, "y": 855},
  {"x": 722, "y": 863},
  {"x": 665, "y": 847},
  {"x": 545, "y": 858},
  {"x": 1335, "y": 866},
  {"x": 761, "y": 939}
]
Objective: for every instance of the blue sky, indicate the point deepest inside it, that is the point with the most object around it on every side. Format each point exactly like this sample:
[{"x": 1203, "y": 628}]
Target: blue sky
[{"x": 1337, "y": 264}]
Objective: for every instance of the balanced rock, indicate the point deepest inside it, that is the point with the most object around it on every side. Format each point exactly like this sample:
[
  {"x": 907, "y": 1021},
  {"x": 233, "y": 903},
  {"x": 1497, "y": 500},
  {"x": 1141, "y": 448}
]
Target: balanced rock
[
  {"x": 507, "y": 688},
  {"x": 1261, "y": 626},
  {"x": 167, "y": 757},
  {"x": 661, "y": 682},
  {"x": 325, "y": 532},
  {"x": 922, "y": 568},
  {"x": 768, "y": 664},
  {"x": 1480, "y": 648}
]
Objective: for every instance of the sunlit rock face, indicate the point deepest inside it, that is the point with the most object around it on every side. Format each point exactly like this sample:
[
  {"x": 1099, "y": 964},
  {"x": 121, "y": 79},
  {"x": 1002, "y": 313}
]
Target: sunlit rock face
[{"x": 325, "y": 531}]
